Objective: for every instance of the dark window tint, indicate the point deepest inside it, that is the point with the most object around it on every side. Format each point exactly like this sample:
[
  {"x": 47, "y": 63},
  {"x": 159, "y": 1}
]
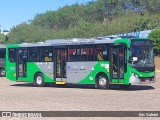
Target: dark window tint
[
  {"x": 74, "y": 53},
  {"x": 2, "y": 53},
  {"x": 87, "y": 53},
  {"x": 101, "y": 53},
  {"x": 141, "y": 42},
  {"x": 12, "y": 55},
  {"x": 34, "y": 55},
  {"x": 46, "y": 54}
]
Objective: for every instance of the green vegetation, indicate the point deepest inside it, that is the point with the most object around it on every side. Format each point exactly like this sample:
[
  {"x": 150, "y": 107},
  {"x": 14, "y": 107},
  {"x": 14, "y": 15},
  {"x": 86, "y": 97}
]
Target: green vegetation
[
  {"x": 3, "y": 38},
  {"x": 95, "y": 18},
  {"x": 155, "y": 37}
]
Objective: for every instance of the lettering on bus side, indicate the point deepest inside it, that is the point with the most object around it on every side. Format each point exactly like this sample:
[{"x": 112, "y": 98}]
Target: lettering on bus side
[{"x": 12, "y": 68}]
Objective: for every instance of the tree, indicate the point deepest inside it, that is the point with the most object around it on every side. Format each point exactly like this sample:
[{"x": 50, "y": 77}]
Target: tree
[
  {"x": 155, "y": 37},
  {"x": 153, "y": 6},
  {"x": 28, "y": 33},
  {"x": 95, "y": 18}
]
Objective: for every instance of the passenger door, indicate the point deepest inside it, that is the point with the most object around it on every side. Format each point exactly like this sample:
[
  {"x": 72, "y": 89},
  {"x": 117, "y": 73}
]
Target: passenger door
[
  {"x": 21, "y": 64},
  {"x": 118, "y": 64},
  {"x": 60, "y": 64}
]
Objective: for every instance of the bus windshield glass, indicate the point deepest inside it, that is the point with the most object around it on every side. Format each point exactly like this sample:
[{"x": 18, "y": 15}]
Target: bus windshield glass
[{"x": 142, "y": 53}]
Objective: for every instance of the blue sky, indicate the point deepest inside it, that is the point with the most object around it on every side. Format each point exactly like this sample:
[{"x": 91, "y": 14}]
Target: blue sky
[{"x": 14, "y": 12}]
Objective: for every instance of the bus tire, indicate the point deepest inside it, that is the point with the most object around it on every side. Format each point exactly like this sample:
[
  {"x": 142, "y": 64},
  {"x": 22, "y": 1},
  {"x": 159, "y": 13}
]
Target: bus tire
[
  {"x": 39, "y": 80},
  {"x": 2, "y": 72},
  {"x": 102, "y": 82}
]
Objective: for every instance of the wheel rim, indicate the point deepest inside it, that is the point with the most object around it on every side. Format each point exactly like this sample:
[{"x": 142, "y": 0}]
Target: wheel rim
[
  {"x": 39, "y": 80},
  {"x": 3, "y": 72},
  {"x": 102, "y": 82}
]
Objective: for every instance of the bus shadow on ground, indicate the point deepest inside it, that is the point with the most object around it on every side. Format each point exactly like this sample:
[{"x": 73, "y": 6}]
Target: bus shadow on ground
[
  {"x": 90, "y": 86},
  {"x": 134, "y": 88},
  {"x": 57, "y": 86}
]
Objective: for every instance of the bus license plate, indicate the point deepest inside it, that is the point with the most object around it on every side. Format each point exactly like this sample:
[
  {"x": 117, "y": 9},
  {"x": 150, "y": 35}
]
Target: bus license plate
[{"x": 147, "y": 80}]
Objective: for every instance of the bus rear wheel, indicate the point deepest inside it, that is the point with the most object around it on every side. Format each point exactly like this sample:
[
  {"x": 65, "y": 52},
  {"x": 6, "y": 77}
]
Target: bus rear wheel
[
  {"x": 102, "y": 82},
  {"x": 2, "y": 72},
  {"x": 39, "y": 80}
]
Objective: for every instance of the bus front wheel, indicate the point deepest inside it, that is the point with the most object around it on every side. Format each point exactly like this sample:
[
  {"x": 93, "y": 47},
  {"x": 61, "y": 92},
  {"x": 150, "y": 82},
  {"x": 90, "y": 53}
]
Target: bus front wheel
[
  {"x": 102, "y": 82},
  {"x": 39, "y": 80}
]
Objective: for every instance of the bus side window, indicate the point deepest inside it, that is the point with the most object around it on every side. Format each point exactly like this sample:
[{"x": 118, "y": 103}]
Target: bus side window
[
  {"x": 11, "y": 55},
  {"x": 101, "y": 53},
  {"x": 91, "y": 56},
  {"x": 33, "y": 54},
  {"x": 2, "y": 53},
  {"x": 87, "y": 53},
  {"x": 78, "y": 54},
  {"x": 73, "y": 54},
  {"x": 46, "y": 54}
]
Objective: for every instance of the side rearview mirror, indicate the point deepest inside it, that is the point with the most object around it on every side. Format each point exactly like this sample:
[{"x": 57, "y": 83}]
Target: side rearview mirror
[
  {"x": 135, "y": 59},
  {"x": 132, "y": 59}
]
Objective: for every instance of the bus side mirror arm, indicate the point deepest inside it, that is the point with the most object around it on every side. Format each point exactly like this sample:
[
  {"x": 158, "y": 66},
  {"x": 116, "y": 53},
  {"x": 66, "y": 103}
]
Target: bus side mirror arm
[{"x": 130, "y": 60}]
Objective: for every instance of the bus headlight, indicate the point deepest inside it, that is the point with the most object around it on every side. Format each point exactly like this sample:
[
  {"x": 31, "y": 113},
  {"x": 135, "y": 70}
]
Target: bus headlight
[{"x": 134, "y": 74}]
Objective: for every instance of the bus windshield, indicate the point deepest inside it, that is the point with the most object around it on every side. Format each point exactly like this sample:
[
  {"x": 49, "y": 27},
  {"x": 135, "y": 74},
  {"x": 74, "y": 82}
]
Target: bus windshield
[{"x": 142, "y": 54}]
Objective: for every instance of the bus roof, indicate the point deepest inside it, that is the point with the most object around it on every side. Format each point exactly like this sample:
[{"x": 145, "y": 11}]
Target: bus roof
[
  {"x": 38, "y": 44},
  {"x": 57, "y": 42},
  {"x": 77, "y": 41},
  {"x": 74, "y": 41}
]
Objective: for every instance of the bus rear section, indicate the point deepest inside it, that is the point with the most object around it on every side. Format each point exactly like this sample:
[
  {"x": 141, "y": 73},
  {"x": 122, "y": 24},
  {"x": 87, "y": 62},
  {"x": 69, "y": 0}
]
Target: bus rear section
[{"x": 30, "y": 63}]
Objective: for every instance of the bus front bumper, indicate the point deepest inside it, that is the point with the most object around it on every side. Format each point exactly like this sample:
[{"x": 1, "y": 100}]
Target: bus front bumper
[{"x": 137, "y": 80}]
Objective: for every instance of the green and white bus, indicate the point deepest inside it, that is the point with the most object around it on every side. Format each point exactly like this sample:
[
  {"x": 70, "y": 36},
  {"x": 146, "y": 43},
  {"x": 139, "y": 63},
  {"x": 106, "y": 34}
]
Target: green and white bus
[{"x": 99, "y": 61}]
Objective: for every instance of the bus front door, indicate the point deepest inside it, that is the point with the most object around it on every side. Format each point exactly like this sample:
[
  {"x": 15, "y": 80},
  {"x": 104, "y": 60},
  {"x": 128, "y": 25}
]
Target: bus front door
[
  {"x": 21, "y": 65},
  {"x": 118, "y": 64},
  {"x": 60, "y": 65}
]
